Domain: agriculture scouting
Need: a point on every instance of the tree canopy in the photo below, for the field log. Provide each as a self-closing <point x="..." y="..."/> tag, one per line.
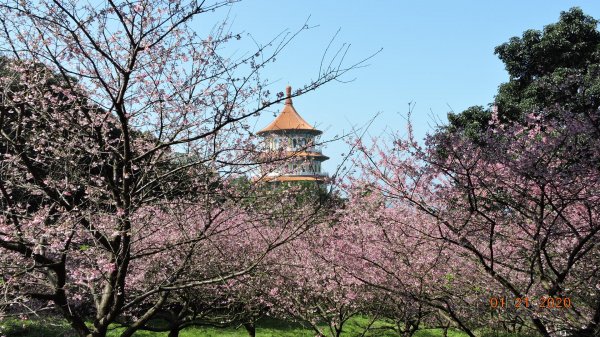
<point x="557" y="66"/>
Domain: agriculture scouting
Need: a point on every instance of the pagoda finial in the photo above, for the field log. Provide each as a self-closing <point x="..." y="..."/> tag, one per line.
<point x="288" y="91"/>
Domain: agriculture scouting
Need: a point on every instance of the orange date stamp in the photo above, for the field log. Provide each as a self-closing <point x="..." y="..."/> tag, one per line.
<point x="526" y="302"/>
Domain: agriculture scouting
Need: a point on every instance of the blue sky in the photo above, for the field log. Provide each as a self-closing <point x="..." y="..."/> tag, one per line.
<point x="437" y="54"/>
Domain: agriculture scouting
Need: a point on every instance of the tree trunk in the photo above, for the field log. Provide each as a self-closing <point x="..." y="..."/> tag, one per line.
<point x="250" y="327"/>
<point x="174" y="332"/>
<point x="541" y="327"/>
<point x="409" y="331"/>
<point x="446" y="327"/>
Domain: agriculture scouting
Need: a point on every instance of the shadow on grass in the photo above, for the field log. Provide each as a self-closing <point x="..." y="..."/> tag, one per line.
<point x="43" y="327"/>
<point x="266" y="327"/>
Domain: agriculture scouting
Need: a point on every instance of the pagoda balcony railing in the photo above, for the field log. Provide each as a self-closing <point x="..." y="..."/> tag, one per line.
<point x="315" y="149"/>
<point x="308" y="173"/>
<point x="297" y="173"/>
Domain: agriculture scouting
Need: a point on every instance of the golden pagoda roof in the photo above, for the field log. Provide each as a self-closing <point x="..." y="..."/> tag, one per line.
<point x="289" y="119"/>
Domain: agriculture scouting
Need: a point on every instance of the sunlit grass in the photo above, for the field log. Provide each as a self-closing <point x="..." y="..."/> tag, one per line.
<point x="49" y="327"/>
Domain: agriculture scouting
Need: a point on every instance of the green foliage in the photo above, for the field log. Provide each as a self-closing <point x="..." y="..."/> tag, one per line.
<point x="572" y="42"/>
<point x="304" y="192"/>
<point x="558" y="67"/>
<point x="470" y="121"/>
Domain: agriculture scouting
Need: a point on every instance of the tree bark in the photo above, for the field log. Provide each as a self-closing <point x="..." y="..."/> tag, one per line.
<point x="174" y="332"/>
<point x="250" y="327"/>
<point x="445" y="331"/>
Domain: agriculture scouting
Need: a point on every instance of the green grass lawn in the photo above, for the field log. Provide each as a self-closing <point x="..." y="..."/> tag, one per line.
<point x="266" y="328"/>
<point x="272" y="328"/>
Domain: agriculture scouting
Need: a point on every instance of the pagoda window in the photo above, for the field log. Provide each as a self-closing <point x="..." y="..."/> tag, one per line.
<point x="280" y="143"/>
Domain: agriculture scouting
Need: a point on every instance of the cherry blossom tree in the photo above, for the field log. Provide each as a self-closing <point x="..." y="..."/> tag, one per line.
<point x="244" y="299"/>
<point x="122" y="131"/>
<point x="305" y="286"/>
<point x="516" y="217"/>
<point x="392" y="249"/>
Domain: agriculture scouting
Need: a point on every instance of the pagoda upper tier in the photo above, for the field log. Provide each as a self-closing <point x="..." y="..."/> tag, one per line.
<point x="289" y="119"/>
<point x="291" y="135"/>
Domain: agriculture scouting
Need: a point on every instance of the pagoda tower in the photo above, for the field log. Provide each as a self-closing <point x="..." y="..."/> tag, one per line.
<point x="290" y="135"/>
